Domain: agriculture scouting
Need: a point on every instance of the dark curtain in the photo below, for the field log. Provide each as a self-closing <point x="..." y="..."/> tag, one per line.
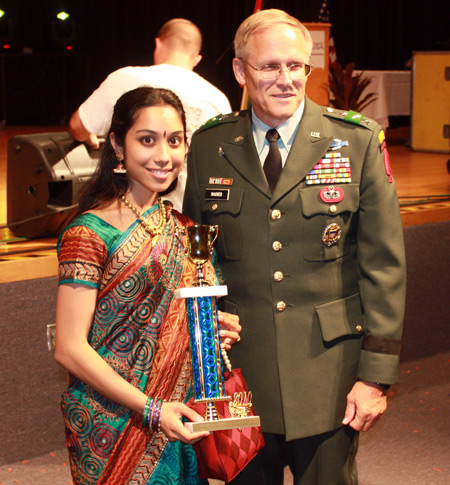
<point x="376" y="34"/>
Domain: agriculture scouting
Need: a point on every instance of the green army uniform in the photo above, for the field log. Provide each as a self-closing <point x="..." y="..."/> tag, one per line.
<point x="315" y="271"/>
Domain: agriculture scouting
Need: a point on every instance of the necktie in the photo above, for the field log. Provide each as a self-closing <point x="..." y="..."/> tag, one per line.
<point x="272" y="164"/>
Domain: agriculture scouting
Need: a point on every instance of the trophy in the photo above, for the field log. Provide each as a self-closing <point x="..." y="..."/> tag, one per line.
<point x="207" y="360"/>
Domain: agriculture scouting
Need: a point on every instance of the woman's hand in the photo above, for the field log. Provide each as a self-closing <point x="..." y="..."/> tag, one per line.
<point x="229" y="330"/>
<point x="173" y="427"/>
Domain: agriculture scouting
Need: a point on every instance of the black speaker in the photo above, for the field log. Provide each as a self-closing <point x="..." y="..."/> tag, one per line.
<point x="45" y="174"/>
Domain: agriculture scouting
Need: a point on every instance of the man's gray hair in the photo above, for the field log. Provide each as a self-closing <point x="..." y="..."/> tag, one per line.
<point x="262" y="20"/>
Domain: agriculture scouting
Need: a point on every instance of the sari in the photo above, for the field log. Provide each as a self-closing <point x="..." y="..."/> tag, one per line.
<point x="141" y="330"/>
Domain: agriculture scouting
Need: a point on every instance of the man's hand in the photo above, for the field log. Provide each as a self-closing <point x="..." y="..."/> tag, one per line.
<point x="229" y="330"/>
<point x="366" y="403"/>
<point x="80" y="133"/>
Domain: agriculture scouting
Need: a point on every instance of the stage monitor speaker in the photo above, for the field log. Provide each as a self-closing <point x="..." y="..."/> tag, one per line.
<point x="45" y="173"/>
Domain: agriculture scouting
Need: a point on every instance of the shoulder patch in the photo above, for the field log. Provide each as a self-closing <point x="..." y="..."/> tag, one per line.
<point x="350" y="116"/>
<point x="219" y="119"/>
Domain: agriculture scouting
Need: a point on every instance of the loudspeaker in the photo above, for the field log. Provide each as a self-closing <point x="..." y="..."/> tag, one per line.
<point x="45" y="173"/>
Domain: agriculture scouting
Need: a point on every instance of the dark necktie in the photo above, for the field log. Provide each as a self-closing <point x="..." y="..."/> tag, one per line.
<point x="272" y="164"/>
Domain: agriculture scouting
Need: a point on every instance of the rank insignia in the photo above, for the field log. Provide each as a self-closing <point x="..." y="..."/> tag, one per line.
<point x="354" y="117"/>
<point x="331" y="194"/>
<point x="220" y="181"/>
<point x="331" y="234"/>
<point x="330" y="171"/>
<point x="238" y="139"/>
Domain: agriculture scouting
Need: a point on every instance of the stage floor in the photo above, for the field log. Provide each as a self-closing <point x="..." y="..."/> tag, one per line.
<point x="423" y="187"/>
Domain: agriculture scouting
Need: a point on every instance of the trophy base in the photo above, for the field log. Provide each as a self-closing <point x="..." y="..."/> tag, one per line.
<point x="221" y="424"/>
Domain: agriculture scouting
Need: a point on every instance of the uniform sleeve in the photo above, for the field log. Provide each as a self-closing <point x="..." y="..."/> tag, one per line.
<point x="81" y="257"/>
<point x="381" y="260"/>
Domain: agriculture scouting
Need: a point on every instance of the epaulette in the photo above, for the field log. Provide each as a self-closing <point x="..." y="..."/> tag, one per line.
<point x="350" y="116"/>
<point x="219" y="119"/>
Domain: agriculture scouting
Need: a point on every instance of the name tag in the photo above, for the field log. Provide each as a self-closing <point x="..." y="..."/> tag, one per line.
<point x="217" y="194"/>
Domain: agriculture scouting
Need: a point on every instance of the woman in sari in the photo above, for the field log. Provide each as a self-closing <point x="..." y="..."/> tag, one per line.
<point x="120" y="332"/>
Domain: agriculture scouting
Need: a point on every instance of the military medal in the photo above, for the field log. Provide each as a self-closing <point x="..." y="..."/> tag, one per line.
<point x="330" y="171"/>
<point x="331" y="234"/>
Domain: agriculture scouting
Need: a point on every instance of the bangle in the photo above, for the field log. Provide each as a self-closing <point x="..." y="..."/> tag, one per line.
<point x="156" y="416"/>
<point x="146" y="413"/>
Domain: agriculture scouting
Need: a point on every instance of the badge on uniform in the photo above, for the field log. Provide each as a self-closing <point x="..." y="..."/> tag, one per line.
<point x="387" y="162"/>
<point x="331" y="234"/>
<point x="331" y="194"/>
<point x="220" y="181"/>
<point x="217" y="194"/>
<point x="337" y="144"/>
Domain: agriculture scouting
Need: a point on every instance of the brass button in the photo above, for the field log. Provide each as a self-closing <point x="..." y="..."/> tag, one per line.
<point x="281" y="306"/>
<point x="276" y="246"/>
<point x="333" y="209"/>
<point x="275" y="215"/>
<point x="278" y="276"/>
<point x="359" y="328"/>
<point x="214" y="207"/>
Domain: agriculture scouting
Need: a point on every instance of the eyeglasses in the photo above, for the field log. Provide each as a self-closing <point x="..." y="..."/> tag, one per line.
<point x="272" y="71"/>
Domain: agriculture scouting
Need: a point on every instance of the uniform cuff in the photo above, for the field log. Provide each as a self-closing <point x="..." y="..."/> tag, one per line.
<point x="375" y="367"/>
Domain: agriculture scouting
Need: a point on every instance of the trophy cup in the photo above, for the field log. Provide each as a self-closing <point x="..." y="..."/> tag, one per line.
<point x="207" y="364"/>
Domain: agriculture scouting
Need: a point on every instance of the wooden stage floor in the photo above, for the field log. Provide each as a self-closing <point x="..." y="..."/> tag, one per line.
<point x="423" y="187"/>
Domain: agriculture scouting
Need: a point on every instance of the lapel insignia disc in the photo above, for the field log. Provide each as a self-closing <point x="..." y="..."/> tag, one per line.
<point x="331" y="234"/>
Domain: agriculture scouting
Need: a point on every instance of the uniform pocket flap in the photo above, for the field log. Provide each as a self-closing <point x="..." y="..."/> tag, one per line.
<point x="316" y="200"/>
<point x="223" y="200"/>
<point x="340" y="318"/>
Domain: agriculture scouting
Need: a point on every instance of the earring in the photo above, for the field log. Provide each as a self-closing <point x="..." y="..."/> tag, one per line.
<point x="119" y="168"/>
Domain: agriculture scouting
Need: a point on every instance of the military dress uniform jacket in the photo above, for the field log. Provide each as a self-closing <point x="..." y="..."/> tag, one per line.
<point x="315" y="271"/>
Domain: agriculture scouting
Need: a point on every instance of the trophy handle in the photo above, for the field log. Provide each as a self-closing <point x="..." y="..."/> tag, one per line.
<point x="215" y="231"/>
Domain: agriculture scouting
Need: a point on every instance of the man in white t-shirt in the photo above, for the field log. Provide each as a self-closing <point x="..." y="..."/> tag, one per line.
<point x="177" y="52"/>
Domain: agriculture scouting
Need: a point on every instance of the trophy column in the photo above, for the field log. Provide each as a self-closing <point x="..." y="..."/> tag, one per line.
<point x="207" y="365"/>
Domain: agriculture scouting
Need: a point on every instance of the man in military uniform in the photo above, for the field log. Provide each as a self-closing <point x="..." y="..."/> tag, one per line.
<point x="311" y="248"/>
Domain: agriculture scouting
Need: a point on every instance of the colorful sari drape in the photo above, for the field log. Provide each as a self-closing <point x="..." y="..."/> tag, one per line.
<point x="142" y="332"/>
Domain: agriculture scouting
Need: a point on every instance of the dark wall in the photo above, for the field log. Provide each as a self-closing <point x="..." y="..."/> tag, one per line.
<point x="109" y="34"/>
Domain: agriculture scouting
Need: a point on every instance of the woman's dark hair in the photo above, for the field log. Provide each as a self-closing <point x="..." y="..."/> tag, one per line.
<point x="105" y="185"/>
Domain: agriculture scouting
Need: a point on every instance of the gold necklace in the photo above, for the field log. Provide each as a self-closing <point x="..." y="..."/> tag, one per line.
<point x="153" y="231"/>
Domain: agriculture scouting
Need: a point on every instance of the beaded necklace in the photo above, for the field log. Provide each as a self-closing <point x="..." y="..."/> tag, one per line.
<point x="153" y="231"/>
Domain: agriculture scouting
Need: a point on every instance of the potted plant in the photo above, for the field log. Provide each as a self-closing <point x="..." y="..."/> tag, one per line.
<point x="347" y="87"/>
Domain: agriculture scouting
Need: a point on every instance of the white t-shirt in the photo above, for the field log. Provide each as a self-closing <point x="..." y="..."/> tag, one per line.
<point x="201" y="101"/>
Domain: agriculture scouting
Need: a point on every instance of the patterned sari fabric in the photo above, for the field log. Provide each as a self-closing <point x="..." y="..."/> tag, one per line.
<point x="141" y="331"/>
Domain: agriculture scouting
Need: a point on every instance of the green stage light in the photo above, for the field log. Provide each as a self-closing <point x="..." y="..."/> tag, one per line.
<point x="62" y="16"/>
<point x="1" y="13"/>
